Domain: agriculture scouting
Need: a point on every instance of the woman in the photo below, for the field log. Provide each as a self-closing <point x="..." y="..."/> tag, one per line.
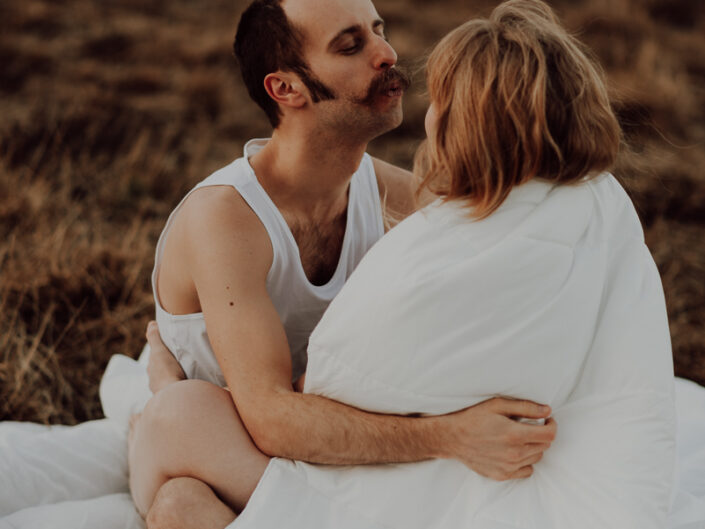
<point x="527" y="278"/>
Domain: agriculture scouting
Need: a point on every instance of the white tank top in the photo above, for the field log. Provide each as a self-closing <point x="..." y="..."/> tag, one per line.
<point x="299" y="303"/>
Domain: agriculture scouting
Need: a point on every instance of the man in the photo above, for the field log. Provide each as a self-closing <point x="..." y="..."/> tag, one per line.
<point x="325" y="75"/>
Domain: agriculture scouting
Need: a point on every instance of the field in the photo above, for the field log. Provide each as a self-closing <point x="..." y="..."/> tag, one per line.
<point x="112" y="110"/>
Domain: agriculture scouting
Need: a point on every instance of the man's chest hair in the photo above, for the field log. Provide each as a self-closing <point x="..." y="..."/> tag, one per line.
<point x="320" y="245"/>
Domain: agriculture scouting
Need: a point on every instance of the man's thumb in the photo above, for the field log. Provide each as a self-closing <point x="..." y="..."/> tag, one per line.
<point x="525" y="408"/>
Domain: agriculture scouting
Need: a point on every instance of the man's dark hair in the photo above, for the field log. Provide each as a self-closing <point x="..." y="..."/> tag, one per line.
<point x="266" y="42"/>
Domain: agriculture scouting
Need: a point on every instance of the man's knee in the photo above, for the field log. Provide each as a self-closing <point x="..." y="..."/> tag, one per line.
<point x="173" y="504"/>
<point x="187" y="503"/>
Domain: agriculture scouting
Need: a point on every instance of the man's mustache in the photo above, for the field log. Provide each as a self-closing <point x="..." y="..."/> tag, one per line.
<point x="384" y="82"/>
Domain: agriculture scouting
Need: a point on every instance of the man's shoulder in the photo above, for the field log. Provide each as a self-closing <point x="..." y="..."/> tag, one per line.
<point x="217" y="219"/>
<point x="396" y="190"/>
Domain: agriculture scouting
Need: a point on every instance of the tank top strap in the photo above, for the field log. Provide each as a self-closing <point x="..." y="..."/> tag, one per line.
<point x="367" y="202"/>
<point x="240" y="176"/>
<point x="366" y="226"/>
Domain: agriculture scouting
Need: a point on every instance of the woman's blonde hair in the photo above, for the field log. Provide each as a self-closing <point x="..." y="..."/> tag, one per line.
<point x="516" y="97"/>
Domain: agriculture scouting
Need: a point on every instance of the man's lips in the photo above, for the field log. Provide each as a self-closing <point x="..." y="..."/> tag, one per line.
<point x="391" y="83"/>
<point x="395" y="90"/>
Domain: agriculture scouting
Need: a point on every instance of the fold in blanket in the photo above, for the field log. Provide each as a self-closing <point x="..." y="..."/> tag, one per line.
<point x="613" y="409"/>
<point x="553" y="298"/>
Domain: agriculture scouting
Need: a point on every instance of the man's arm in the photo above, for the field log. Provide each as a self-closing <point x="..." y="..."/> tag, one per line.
<point x="397" y="192"/>
<point x="229" y="268"/>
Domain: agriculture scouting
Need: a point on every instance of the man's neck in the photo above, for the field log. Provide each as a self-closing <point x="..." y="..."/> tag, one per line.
<point x="307" y="172"/>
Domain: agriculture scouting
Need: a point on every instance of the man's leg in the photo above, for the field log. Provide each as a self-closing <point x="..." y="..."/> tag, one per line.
<point x="186" y="503"/>
<point x="192" y="429"/>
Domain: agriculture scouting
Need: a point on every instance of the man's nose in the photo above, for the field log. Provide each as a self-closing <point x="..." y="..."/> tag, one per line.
<point x="385" y="57"/>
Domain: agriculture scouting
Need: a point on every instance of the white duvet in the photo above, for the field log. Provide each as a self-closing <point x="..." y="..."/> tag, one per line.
<point x="560" y="303"/>
<point x="553" y="298"/>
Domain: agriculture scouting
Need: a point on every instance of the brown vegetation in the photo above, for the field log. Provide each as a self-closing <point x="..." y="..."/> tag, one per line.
<point x="113" y="109"/>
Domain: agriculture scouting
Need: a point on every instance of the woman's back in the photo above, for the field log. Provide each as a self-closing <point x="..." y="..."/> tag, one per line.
<point x="553" y="298"/>
<point x="545" y="283"/>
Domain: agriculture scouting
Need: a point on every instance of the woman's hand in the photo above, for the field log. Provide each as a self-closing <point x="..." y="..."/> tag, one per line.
<point x="163" y="368"/>
<point x="489" y="440"/>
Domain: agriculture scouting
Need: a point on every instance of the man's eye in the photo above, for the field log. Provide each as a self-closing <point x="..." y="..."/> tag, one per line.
<point x="351" y="49"/>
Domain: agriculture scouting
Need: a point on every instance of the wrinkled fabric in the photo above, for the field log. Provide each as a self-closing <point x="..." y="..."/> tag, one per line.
<point x="273" y="497"/>
<point x="111" y="511"/>
<point x="553" y="298"/>
<point x="75" y="477"/>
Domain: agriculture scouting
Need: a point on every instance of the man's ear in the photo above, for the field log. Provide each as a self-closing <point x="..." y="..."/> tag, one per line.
<point x="285" y="89"/>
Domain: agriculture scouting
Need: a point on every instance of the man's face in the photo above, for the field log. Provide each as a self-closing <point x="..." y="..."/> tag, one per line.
<point x="346" y="49"/>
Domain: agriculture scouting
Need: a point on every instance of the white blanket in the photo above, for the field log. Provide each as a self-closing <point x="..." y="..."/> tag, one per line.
<point x="65" y="477"/>
<point x="75" y="477"/>
<point x="553" y="298"/>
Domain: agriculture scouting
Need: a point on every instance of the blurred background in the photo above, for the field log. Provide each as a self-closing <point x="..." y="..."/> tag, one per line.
<point x="113" y="109"/>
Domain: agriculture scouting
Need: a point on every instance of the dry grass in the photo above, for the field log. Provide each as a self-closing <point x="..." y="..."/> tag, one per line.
<point x="112" y="110"/>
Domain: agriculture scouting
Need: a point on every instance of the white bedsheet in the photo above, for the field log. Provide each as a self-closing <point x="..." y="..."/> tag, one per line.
<point x="51" y="482"/>
<point x="74" y="477"/>
<point x="111" y="511"/>
<point x="65" y="477"/>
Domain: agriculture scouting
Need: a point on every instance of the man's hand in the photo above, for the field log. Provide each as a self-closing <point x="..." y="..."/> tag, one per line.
<point x="163" y="368"/>
<point x="488" y="439"/>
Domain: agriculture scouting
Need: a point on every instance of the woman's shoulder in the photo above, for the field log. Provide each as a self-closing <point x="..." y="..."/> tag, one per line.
<point x="568" y="212"/>
<point x="615" y="207"/>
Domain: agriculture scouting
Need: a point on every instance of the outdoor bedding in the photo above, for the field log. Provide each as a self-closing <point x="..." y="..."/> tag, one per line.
<point x="553" y="298"/>
<point x="611" y="464"/>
